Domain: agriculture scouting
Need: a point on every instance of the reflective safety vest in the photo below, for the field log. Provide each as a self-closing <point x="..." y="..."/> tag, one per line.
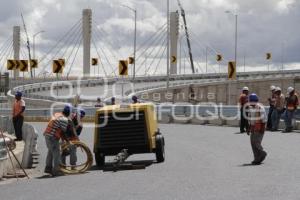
<point x="57" y="126"/>
<point x="18" y="107"/>
<point x="292" y="102"/>
<point x="243" y="99"/>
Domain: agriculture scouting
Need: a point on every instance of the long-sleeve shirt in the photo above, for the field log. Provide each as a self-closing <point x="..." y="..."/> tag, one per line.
<point x="279" y="102"/>
<point x="257" y="114"/>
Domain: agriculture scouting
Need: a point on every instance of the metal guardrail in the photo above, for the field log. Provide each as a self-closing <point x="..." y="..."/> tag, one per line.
<point x="180" y="110"/>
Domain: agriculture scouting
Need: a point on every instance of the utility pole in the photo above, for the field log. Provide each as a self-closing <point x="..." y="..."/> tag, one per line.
<point x="28" y="45"/>
<point x="206" y="60"/>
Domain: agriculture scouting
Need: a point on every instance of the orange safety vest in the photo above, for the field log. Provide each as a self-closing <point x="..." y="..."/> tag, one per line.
<point x="17" y="107"/>
<point x="243" y="99"/>
<point x="292" y="103"/>
<point x="51" y="129"/>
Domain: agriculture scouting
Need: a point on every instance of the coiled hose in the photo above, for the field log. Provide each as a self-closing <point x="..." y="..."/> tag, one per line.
<point x="76" y="169"/>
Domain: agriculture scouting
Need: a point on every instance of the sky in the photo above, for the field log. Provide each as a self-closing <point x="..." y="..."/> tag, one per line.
<point x="263" y="26"/>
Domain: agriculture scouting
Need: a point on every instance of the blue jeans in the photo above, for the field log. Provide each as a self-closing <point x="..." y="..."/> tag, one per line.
<point x="53" y="156"/>
<point x="288" y="117"/>
<point x="275" y="116"/>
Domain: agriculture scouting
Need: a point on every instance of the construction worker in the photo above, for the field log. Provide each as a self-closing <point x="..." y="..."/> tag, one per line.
<point x="278" y="108"/>
<point x="243" y="100"/>
<point x="55" y="131"/>
<point x="257" y="121"/>
<point x="18" y="115"/>
<point x="271" y="100"/>
<point x="77" y="100"/>
<point x="99" y="104"/>
<point x="292" y="103"/>
<point x="73" y="131"/>
<point x="113" y="101"/>
<point x="134" y="99"/>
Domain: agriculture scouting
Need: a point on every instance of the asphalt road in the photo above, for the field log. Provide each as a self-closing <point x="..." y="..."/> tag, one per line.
<point x="202" y="162"/>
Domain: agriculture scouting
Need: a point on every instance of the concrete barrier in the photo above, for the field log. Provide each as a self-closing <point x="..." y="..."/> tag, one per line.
<point x="26" y="150"/>
<point x="5" y="164"/>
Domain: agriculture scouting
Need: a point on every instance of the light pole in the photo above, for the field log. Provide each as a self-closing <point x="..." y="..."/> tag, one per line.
<point x="236" y="34"/>
<point x="134" y="42"/>
<point x="33" y="44"/>
<point x="235" y="51"/>
<point x="168" y="43"/>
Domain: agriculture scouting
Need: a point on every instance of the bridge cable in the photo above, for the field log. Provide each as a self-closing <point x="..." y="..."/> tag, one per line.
<point x="107" y="60"/>
<point x="74" y="57"/>
<point x="59" y="42"/>
<point x="157" y="54"/>
<point x="161" y="58"/>
<point x="67" y="45"/>
<point x="9" y="51"/>
<point x="158" y="36"/>
<point x="103" y="67"/>
<point x="99" y="34"/>
<point x="97" y="37"/>
<point x="75" y="44"/>
<point x="154" y="45"/>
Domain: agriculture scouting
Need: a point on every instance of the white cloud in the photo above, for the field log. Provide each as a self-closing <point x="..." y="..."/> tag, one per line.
<point x="263" y="25"/>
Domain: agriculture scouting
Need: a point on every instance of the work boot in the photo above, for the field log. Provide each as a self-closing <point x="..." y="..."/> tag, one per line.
<point x="287" y="130"/>
<point x="263" y="156"/>
<point x="58" y="173"/>
<point x="48" y="170"/>
<point x="254" y="162"/>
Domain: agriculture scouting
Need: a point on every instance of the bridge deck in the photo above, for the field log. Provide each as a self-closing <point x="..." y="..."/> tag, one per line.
<point x="202" y="162"/>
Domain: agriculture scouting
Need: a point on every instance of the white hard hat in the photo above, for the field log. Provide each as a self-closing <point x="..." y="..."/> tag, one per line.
<point x="273" y="87"/>
<point x="245" y="89"/>
<point x="290" y="89"/>
<point x="277" y="89"/>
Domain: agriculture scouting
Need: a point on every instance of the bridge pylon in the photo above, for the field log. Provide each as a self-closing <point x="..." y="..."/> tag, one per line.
<point x="86" y="35"/>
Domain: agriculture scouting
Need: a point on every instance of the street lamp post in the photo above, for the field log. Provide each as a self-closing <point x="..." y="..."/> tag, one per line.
<point x="235" y="51"/>
<point x="134" y="42"/>
<point x="33" y="44"/>
<point x="236" y="34"/>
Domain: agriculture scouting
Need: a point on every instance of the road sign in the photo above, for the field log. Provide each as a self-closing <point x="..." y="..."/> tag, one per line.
<point x="268" y="56"/>
<point x="219" y="57"/>
<point x="23" y="65"/>
<point x="174" y="59"/>
<point x="62" y="61"/>
<point x="58" y="66"/>
<point x="94" y="61"/>
<point x="123" y="67"/>
<point x="33" y="63"/>
<point x="12" y="64"/>
<point x="232" y="70"/>
<point x="131" y="60"/>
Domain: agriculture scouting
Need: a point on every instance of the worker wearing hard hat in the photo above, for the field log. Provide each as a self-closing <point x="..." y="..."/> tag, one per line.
<point x="292" y="103"/>
<point x="55" y="131"/>
<point x="243" y="100"/>
<point x="278" y="108"/>
<point x="271" y="100"/>
<point x="73" y="131"/>
<point x="257" y="121"/>
<point x="18" y="115"/>
<point x="134" y="99"/>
